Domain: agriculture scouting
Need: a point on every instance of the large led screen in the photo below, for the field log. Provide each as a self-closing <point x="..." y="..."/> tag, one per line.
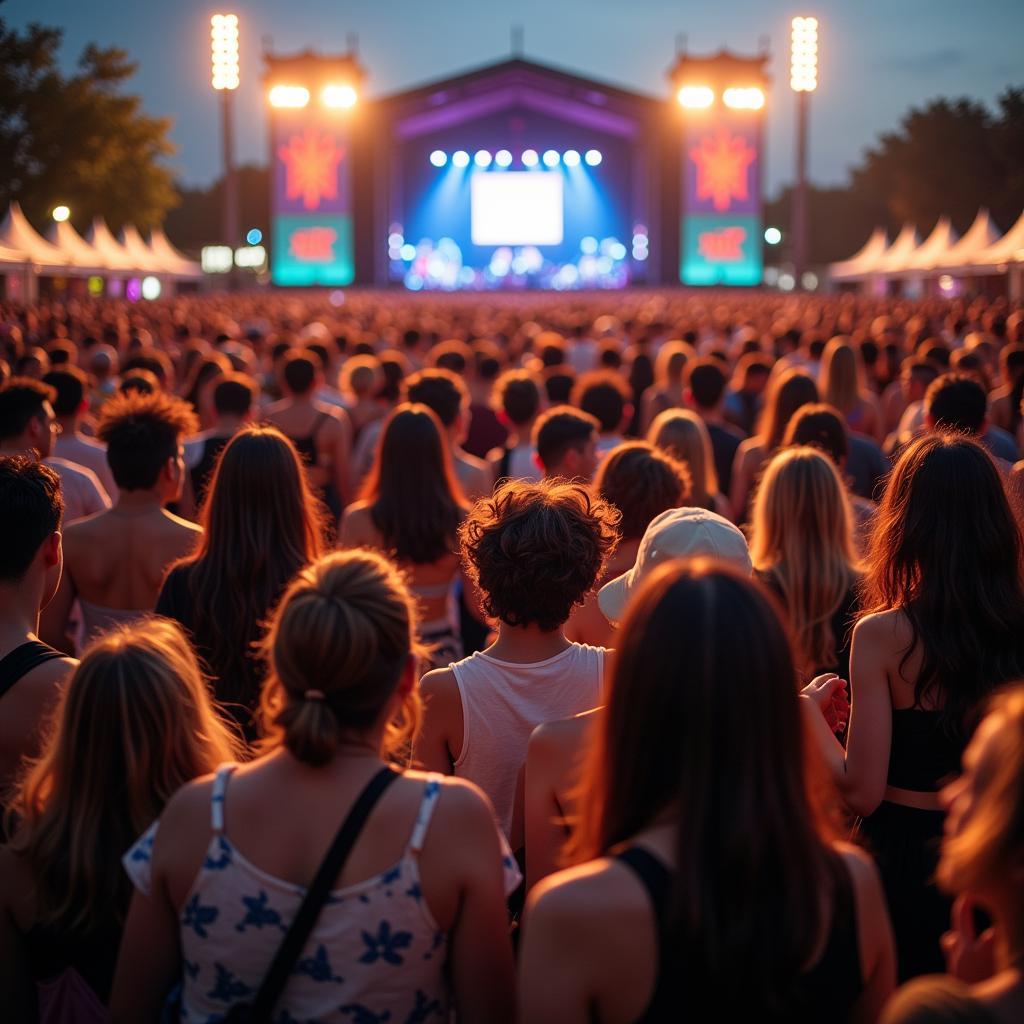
<point x="516" y="208"/>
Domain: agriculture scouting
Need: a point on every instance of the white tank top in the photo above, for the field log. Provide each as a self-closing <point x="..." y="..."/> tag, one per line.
<point x="503" y="702"/>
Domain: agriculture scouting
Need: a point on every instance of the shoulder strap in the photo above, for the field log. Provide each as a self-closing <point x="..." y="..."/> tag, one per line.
<point x="653" y="876"/>
<point x="284" y="961"/>
<point x="218" y="795"/>
<point x="22" y="660"/>
<point x="431" y="792"/>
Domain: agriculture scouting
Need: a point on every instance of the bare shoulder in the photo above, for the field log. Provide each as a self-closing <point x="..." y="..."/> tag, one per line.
<point x="188" y="806"/>
<point x="43" y="681"/>
<point x="577" y="899"/>
<point x="885" y="628"/>
<point x="440" y="684"/>
<point x="558" y="739"/>
<point x="181" y="531"/>
<point x="275" y="408"/>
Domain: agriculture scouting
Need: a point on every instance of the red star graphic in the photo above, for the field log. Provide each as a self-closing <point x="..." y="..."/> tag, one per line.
<point x="311" y="168"/>
<point x="722" y="161"/>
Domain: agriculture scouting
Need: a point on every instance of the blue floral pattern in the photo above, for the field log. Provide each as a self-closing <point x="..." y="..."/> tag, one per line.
<point x="385" y="945"/>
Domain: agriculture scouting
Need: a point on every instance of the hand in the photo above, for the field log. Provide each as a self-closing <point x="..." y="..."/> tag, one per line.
<point x="829" y="693"/>
<point x="969" y="956"/>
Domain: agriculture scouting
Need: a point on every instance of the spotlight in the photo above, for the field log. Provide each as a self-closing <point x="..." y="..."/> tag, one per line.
<point x="254" y="236"/>
<point x="803" y="67"/>
<point x="743" y="99"/>
<point x="593" y="157"/>
<point x="439" y="158"/>
<point x="482" y="158"/>
<point x="551" y="158"/>
<point x="695" y="97"/>
<point x="503" y="158"/>
<point x="61" y="213"/>
<point x="529" y="158"/>
<point x="772" y="236"/>
<point x="571" y="158"/>
<point x="338" y="97"/>
<point x="460" y="158"/>
<point x="293" y="96"/>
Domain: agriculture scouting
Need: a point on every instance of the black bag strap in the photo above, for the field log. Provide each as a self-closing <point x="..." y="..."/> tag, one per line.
<point x="284" y="960"/>
<point x="22" y="660"/>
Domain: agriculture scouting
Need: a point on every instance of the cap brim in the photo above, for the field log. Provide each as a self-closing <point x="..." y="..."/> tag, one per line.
<point x="613" y="596"/>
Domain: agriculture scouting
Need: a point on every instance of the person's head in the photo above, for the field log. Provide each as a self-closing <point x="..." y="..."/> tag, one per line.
<point x="682" y="692"/>
<point x="819" y="426"/>
<point x="140" y="381"/>
<point x="705" y="383"/>
<point x="641" y="482"/>
<point x="415" y="499"/>
<point x="233" y="397"/>
<point x="70" y="385"/>
<point x="445" y="394"/>
<point x="536" y="550"/>
<point x="604" y="395"/>
<point x="517" y="398"/>
<point x="946" y="551"/>
<point x="341" y="657"/>
<point x="752" y="373"/>
<point x="671" y="363"/>
<point x="135" y="722"/>
<point x="802" y="537"/>
<point x="681" y="434"/>
<point x="453" y="355"/>
<point x="916" y="374"/>
<point x="143" y="435"/>
<point x="361" y="378"/>
<point x="983" y="845"/>
<point x="566" y="443"/>
<point x="787" y="392"/>
<point x="300" y="372"/>
<point x="27" y="419"/>
<point x="33" y="506"/>
<point x="841" y="384"/>
<point x="956" y="402"/>
<point x="1011" y="363"/>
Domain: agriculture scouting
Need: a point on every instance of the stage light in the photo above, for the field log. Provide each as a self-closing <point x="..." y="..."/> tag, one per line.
<point x="338" y="97"/>
<point x="503" y="158"/>
<point x="61" y="213"/>
<point x="150" y="288"/>
<point x="251" y="256"/>
<point x="695" y="97"/>
<point x="772" y="236"/>
<point x="460" y="158"/>
<point x="803" y="68"/>
<point x="551" y="158"/>
<point x="395" y="240"/>
<point x="571" y="158"/>
<point x="482" y="158"/>
<point x="588" y="245"/>
<point x="530" y="158"/>
<point x="617" y="251"/>
<point x="254" y="236"/>
<point x="787" y="282"/>
<point x="408" y="252"/>
<point x="289" y="96"/>
<point x="593" y="157"/>
<point x="809" y="281"/>
<point x="224" y="51"/>
<point x="439" y="158"/>
<point x="743" y="99"/>
<point x="216" y="259"/>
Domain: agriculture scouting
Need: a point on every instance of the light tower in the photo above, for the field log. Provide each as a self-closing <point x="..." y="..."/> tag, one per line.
<point x="803" y="80"/>
<point x="225" y="79"/>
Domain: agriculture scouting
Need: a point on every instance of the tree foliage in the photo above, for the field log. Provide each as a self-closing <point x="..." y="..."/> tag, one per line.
<point x="78" y="139"/>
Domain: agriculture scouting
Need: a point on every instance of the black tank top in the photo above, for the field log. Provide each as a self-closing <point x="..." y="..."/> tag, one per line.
<point x="922" y="753"/>
<point x="212" y="447"/>
<point x="22" y="660"/>
<point x="828" y="991"/>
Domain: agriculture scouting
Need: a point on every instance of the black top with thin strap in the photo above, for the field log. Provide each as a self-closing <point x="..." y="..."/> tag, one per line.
<point x="828" y="991"/>
<point x="922" y="752"/>
<point x="22" y="660"/>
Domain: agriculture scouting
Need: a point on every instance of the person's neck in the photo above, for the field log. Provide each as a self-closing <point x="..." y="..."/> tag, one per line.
<point x="19" y="446"/>
<point x="226" y="425"/>
<point x="68" y="425"/>
<point x="19" y="612"/>
<point x="713" y="415"/>
<point x="527" y="643"/>
<point x="134" y="503"/>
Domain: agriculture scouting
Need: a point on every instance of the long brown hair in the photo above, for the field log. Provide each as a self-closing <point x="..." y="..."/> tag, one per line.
<point x="709" y="731"/>
<point x="787" y="392"/>
<point x="946" y="550"/>
<point x="415" y="500"/>
<point x="261" y="524"/>
<point x="134" y="724"/>
<point x="682" y="434"/>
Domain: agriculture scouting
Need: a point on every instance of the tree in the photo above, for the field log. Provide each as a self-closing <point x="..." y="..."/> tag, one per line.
<point x="78" y="139"/>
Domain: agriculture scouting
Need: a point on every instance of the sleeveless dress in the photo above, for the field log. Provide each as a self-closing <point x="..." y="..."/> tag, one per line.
<point x="306" y="447"/>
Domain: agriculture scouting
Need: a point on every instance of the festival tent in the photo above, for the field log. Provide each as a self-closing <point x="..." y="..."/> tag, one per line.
<point x="78" y="252"/>
<point x="896" y="257"/>
<point x="963" y="256"/>
<point x="16" y="233"/>
<point x="144" y="259"/>
<point x="863" y="260"/>
<point x="934" y="249"/>
<point x="114" y="255"/>
<point x="174" y="262"/>
<point x="1009" y="248"/>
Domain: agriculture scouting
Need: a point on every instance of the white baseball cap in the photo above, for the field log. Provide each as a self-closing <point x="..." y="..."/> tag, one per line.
<point x="677" y="533"/>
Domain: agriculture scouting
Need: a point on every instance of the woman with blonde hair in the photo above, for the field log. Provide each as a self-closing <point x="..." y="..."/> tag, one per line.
<point x="682" y="435"/>
<point x="134" y="724"/>
<point x="667" y="391"/>
<point x="802" y="549"/>
<point x="420" y="891"/>
<point x="842" y="387"/>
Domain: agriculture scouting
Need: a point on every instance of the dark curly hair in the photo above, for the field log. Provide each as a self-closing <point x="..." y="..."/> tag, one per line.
<point x="641" y="482"/>
<point x="536" y="550"/>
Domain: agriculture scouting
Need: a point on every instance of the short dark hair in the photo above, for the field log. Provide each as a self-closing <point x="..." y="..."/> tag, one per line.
<point x="518" y="396"/>
<point x="706" y="380"/>
<point x="560" y="429"/>
<point x="641" y="482"/>
<point x="299" y="371"/>
<point x="141" y="433"/>
<point x="451" y="355"/>
<point x="151" y="359"/>
<point x="21" y="400"/>
<point x="956" y="402"/>
<point x="440" y="391"/>
<point x="234" y="394"/>
<point x="558" y="385"/>
<point x="822" y="427"/>
<point x="70" y="385"/>
<point x="32" y="507"/>
<point x="536" y="550"/>
<point x="603" y="394"/>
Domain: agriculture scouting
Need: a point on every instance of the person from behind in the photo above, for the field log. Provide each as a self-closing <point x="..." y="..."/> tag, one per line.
<point x="682" y="435"/>
<point x="676" y="841"/>
<point x="415" y="926"/>
<point x="604" y="395"/>
<point x="115" y="561"/>
<point x="843" y="387"/>
<point x="518" y="399"/>
<point x="669" y="388"/>
<point x="958" y="402"/>
<point x="134" y="724"/>
<point x="534" y="552"/>
<point x="566" y="443"/>
<point x="706" y="383"/>
<point x="745" y="396"/>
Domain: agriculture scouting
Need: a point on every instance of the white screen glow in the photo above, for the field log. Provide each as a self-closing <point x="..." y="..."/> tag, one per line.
<point x="516" y="208"/>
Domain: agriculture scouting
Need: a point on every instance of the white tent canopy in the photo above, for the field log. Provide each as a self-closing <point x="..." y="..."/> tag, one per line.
<point x="16" y="233"/>
<point x="866" y="258"/>
<point x="933" y="250"/>
<point x="1009" y="248"/>
<point x="896" y="257"/>
<point x="114" y="255"/>
<point x="75" y="248"/>
<point x="173" y="260"/>
<point x="981" y="235"/>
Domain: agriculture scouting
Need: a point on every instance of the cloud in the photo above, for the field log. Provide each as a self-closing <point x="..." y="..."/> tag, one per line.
<point x="922" y="63"/>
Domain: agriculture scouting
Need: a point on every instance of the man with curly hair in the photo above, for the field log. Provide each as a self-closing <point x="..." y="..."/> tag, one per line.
<point x="535" y="552"/>
<point x="114" y="562"/>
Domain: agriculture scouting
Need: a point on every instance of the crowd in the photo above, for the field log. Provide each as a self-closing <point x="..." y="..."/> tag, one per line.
<point x="628" y="657"/>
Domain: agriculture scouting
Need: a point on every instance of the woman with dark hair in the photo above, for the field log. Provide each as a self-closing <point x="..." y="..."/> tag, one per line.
<point x="711" y="880"/>
<point x="942" y="626"/>
<point x="261" y="524"/>
<point x="787" y="392"/>
<point x="411" y="508"/>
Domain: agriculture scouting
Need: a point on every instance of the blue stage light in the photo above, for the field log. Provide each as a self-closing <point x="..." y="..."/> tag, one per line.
<point x="482" y="158"/>
<point x="571" y="158"/>
<point x="408" y="252"/>
<point x="439" y="158"/>
<point x="551" y="158"/>
<point x="460" y="158"/>
<point x="503" y="158"/>
<point x="593" y="157"/>
<point x="254" y="236"/>
<point x="530" y="158"/>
